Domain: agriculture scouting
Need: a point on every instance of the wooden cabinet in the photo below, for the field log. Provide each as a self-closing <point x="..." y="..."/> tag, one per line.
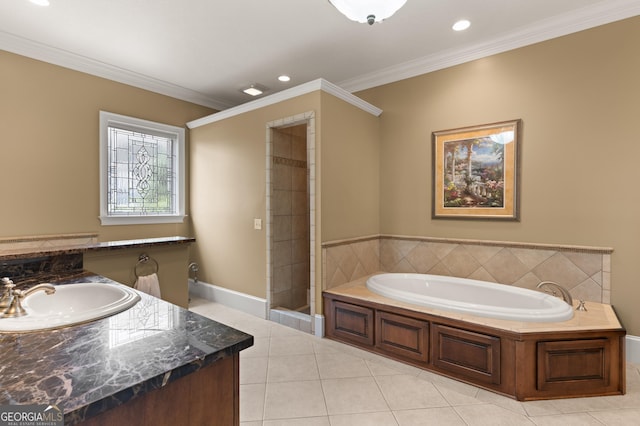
<point x="580" y="366"/>
<point x="525" y="366"/>
<point x="466" y="354"/>
<point x="402" y="336"/>
<point x="209" y="396"/>
<point x="351" y="323"/>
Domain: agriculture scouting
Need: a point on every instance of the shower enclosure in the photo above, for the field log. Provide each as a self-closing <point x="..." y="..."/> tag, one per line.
<point x="290" y="232"/>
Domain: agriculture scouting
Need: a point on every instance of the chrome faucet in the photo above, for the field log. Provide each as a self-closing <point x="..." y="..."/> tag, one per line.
<point x="566" y="296"/>
<point x="7" y="295"/>
<point x="193" y="267"/>
<point x="15" y="308"/>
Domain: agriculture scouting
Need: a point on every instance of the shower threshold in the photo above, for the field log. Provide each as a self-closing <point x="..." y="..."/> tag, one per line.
<point x="299" y="319"/>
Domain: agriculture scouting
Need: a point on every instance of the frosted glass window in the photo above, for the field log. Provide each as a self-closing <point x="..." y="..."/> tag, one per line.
<point x="142" y="171"/>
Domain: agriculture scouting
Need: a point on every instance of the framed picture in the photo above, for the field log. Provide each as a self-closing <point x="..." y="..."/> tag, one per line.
<point x="475" y="172"/>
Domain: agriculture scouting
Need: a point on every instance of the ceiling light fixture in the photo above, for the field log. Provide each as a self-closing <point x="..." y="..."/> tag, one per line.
<point x="368" y="11"/>
<point x="255" y="89"/>
<point x="40" y="2"/>
<point x="284" y="78"/>
<point x="461" y="25"/>
<point x="252" y="91"/>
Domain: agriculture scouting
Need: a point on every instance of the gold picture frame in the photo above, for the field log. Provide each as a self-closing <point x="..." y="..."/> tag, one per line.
<point x="476" y="172"/>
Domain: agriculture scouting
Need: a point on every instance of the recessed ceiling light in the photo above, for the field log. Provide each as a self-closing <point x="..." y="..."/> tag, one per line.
<point x="40" y="2"/>
<point x="461" y="25"/>
<point x="284" y="78"/>
<point x="253" y="91"/>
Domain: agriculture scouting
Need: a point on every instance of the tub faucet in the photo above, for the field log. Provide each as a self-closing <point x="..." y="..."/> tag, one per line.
<point x="15" y="308"/>
<point x="566" y="296"/>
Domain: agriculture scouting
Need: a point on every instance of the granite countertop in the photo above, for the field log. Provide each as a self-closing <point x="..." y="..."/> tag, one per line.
<point x="90" y="368"/>
<point x="71" y="248"/>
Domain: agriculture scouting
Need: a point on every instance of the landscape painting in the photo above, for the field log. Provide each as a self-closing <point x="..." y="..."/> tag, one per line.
<point x="475" y="172"/>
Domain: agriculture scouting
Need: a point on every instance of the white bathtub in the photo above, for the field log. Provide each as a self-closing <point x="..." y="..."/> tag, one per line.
<point x="471" y="297"/>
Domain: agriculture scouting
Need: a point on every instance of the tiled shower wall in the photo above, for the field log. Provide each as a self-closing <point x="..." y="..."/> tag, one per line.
<point x="585" y="271"/>
<point x="290" y="214"/>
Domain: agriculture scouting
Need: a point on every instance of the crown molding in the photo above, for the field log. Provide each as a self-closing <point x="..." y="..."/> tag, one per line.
<point x="302" y="89"/>
<point x="601" y="13"/>
<point x="31" y="49"/>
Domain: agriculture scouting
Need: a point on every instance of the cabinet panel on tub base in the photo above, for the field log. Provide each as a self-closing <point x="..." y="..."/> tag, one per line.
<point x="522" y="365"/>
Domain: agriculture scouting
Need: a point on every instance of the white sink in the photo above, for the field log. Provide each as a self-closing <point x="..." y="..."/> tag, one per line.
<point x="70" y="304"/>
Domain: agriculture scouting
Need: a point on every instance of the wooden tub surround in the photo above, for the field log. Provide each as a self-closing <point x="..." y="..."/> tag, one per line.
<point x="581" y="357"/>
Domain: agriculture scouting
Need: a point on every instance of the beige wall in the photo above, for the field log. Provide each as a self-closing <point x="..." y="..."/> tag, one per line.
<point x="49" y="178"/>
<point x="349" y="171"/>
<point x="228" y="185"/>
<point x="578" y="99"/>
<point x="49" y="174"/>
<point x="119" y="265"/>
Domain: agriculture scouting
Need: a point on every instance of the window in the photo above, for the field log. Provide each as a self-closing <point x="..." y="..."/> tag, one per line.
<point x="141" y="171"/>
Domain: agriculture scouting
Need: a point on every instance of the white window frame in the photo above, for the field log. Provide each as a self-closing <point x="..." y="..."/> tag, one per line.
<point x="108" y="119"/>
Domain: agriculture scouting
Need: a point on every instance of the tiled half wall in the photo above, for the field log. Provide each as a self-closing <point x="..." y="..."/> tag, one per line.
<point x="585" y="271"/>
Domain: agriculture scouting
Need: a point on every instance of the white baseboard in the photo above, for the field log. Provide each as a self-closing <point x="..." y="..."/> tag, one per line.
<point x="234" y="299"/>
<point x="318" y="325"/>
<point x="633" y="349"/>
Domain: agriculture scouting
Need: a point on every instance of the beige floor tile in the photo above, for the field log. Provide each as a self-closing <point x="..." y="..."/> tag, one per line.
<point x="630" y="417"/>
<point x="252" y="402"/>
<point x="254" y="370"/>
<point x="630" y="400"/>
<point x="279" y="330"/>
<point x="290" y="345"/>
<point x="271" y="392"/>
<point x="429" y="416"/>
<point x="501" y="401"/>
<point x="260" y="348"/>
<point x="384" y="418"/>
<point x="381" y="366"/>
<point x="454" y="397"/>
<point x="582" y="405"/>
<point x="540" y="408"/>
<point x="353" y="395"/>
<point x="289" y="400"/>
<point x="490" y="415"/>
<point x="253" y="327"/>
<point x="445" y="383"/>
<point x="576" y="419"/>
<point x="339" y="365"/>
<point x="404" y="392"/>
<point x="292" y="368"/>
<point x="322" y="346"/>
<point x="303" y="421"/>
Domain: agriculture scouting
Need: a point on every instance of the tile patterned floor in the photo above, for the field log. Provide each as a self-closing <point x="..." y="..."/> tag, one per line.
<point x="290" y="378"/>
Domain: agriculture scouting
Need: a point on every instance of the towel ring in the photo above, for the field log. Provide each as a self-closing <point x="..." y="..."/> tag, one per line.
<point x="144" y="259"/>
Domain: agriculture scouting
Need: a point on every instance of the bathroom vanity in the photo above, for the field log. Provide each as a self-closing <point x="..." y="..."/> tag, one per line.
<point x="583" y="356"/>
<point x="153" y="364"/>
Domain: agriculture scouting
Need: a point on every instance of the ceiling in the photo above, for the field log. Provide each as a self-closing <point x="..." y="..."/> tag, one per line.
<point x="206" y="51"/>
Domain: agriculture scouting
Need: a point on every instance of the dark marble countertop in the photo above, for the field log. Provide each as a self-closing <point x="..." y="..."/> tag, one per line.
<point x="29" y="252"/>
<point x="90" y="368"/>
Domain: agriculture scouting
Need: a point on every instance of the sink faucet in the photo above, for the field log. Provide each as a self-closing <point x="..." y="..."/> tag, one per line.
<point x="566" y="296"/>
<point x="7" y="295"/>
<point x="15" y="308"/>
